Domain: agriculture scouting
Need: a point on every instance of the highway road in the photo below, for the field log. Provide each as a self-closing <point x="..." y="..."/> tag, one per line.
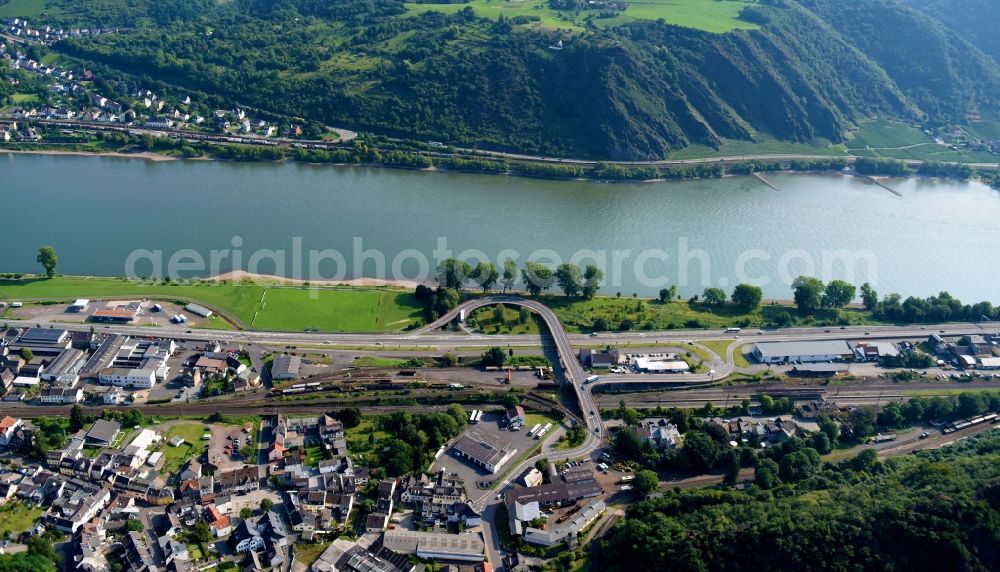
<point x="427" y="337"/>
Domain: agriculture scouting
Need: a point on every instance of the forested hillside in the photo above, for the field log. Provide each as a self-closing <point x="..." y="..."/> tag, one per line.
<point x="937" y="510"/>
<point x="976" y="20"/>
<point x="621" y="86"/>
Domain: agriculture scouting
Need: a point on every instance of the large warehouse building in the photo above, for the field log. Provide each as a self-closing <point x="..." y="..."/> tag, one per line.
<point x="804" y="352"/>
<point x="483" y="450"/>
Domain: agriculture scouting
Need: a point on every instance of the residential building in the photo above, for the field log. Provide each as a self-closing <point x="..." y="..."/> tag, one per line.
<point x="60" y="395"/>
<point x="566" y="532"/>
<point x="524" y="505"/>
<point x="242" y="480"/>
<point x="516" y="415"/>
<point x="8" y="425"/>
<point x="659" y="432"/>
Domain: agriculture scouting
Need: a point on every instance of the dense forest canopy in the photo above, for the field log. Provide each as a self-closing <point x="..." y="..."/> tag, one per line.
<point x="975" y="20"/>
<point x="618" y="87"/>
<point x="937" y="510"/>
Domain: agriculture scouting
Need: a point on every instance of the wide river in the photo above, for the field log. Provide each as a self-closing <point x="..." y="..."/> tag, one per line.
<point x="117" y="216"/>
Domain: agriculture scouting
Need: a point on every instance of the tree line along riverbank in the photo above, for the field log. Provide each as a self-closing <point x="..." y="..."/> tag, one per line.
<point x="272" y="305"/>
<point x="380" y="152"/>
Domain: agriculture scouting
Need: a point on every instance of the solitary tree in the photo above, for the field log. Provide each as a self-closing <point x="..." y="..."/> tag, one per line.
<point x="26" y="354"/>
<point x="569" y="278"/>
<point x="48" y="259"/>
<point x="350" y="417"/>
<point x="766" y="474"/>
<point x="646" y="482"/>
<point x="668" y="294"/>
<point x="808" y="293"/>
<point x="838" y="294"/>
<point x="869" y="297"/>
<point x="522" y="315"/>
<point x="714" y="296"/>
<point x="486" y="276"/>
<point x="266" y="504"/>
<point x="748" y="297"/>
<point x="592" y="277"/>
<point x="76" y="418"/>
<point x="536" y="277"/>
<point x="509" y="277"/>
<point x="452" y="273"/>
<point x="494" y="357"/>
<point x="510" y="401"/>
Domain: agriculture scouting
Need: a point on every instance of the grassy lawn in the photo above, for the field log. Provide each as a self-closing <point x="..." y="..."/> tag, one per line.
<point x="272" y="308"/>
<point x="709" y="15"/>
<point x="358" y="437"/>
<point x="23" y="98"/>
<point x="883" y="134"/>
<point x="122" y="438"/>
<point x="13" y="8"/>
<point x="485" y="321"/>
<point x="762" y="146"/>
<point x="898" y="140"/>
<point x="985" y="129"/>
<point x="308" y="552"/>
<point x="314" y="454"/>
<point x="722" y="346"/>
<point x="174" y="457"/>
<point x="542" y="418"/>
<point x="345" y="310"/>
<point x="579" y="315"/>
<point x="373" y="361"/>
<point x="18" y="517"/>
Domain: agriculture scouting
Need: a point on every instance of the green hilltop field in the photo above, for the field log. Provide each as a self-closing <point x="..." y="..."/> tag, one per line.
<point x="709" y="15"/>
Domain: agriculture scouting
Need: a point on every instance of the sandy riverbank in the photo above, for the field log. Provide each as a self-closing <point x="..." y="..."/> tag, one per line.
<point x="146" y="155"/>
<point x="243" y="276"/>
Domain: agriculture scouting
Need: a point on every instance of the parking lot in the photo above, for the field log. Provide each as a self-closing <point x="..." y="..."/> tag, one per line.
<point x="472" y="474"/>
<point x="145" y="316"/>
<point x="224" y="446"/>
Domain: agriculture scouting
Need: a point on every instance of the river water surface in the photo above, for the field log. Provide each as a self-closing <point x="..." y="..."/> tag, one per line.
<point x="97" y="211"/>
